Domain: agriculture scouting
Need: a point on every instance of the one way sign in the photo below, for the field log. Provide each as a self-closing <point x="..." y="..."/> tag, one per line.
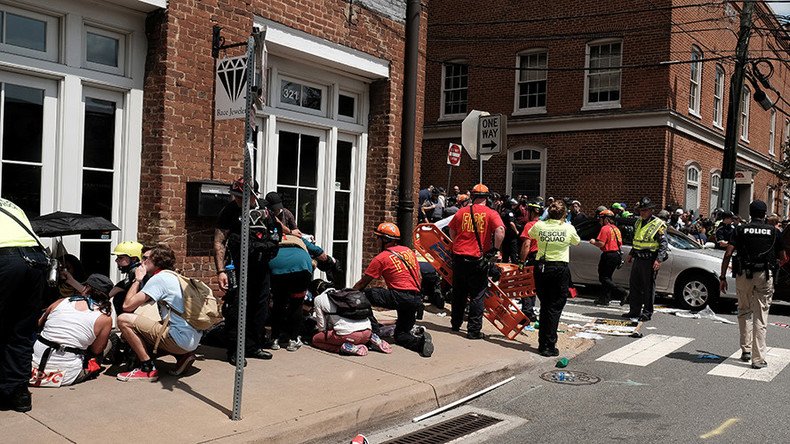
<point x="490" y="134"/>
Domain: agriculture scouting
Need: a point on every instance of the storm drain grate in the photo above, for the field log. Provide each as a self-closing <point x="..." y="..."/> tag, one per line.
<point x="570" y="378"/>
<point x="447" y="431"/>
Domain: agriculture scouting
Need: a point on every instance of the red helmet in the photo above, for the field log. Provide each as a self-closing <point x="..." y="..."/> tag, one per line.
<point x="387" y="230"/>
<point x="606" y="213"/>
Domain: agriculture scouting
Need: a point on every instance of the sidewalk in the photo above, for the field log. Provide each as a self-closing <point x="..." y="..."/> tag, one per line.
<point x="295" y="397"/>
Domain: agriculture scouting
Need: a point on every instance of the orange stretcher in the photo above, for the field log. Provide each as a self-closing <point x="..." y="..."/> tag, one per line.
<point x="516" y="282"/>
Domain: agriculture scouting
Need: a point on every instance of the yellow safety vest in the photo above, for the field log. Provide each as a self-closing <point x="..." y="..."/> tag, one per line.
<point x="645" y="235"/>
<point x="11" y="234"/>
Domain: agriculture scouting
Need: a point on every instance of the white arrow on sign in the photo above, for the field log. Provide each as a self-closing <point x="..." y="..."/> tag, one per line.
<point x="490" y="132"/>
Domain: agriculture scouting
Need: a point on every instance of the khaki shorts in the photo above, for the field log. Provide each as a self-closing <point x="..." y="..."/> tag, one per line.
<point x="151" y="331"/>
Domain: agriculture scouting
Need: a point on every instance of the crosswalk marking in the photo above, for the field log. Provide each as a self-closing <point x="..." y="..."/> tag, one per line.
<point x="733" y="367"/>
<point x="646" y="350"/>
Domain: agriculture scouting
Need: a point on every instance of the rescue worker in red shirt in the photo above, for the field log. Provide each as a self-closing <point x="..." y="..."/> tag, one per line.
<point x="472" y="230"/>
<point x="398" y="266"/>
<point x="529" y="250"/>
<point x="609" y="241"/>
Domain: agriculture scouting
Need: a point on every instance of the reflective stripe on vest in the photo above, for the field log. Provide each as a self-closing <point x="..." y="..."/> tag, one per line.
<point x="645" y="235"/>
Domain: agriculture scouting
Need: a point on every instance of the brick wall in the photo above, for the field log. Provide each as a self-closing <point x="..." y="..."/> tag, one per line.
<point x="179" y="144"/>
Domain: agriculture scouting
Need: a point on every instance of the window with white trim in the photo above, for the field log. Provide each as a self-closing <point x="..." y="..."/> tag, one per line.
<point x="527" y="172"/>
<point x="692" y="188"/>
<point x="745" y="113"/>
<point x="29" y="33"/>
<point x="695" y="80"/>
<point x="302" y="96"/>
<point x="455" y="86"/>
<point x="602" y="82"/>
<point x="771" y="201"/>
<point x="531" y="87"/>
<point x="104" y="50"/>
<point x="718" y="96"/>
<point x="715" y="184"/>
<point x="772" y="134"/>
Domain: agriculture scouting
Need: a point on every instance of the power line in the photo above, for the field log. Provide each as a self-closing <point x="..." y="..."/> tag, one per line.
<point x="587" y="68"/>
<point x="597" y="34"/>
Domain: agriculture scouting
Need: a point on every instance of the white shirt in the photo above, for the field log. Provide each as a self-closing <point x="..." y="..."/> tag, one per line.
<point x="342" y="326"/>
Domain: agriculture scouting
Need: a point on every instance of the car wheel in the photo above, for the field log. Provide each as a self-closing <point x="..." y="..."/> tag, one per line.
<point x="695" y="291"/>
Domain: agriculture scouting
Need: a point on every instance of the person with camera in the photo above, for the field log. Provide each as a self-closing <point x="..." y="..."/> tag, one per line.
<point x="75" y="331"/>
<point x="265" y="234"/>
<point x="477" y="232"/>
<point x="609" y="240"/>
<point x="23" y="273"/>
<point x="397" y="266"/>
<point x="648" y="252"/>
<point x="552" y="273"/>
<point x="759" y="251"/>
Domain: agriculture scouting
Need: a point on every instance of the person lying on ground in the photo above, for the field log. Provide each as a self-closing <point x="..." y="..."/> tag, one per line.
<point x="338" y="334"/>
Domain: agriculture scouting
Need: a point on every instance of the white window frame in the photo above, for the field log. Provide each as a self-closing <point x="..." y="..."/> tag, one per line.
<point x="336" y="109"/>
<point x="517" y="92"/>
<point x="692" y="183"/>
<point x="746" y="99"/>
<point x="771" y="201"/>
<point x="298" y="108"/>
<point x="718" y="97"/>
<point x="612" y="104"/>
<point x="52" y="37"/>
<point x="453" y="116"/>
<point x="715" y="187"/>
<point x="695" y="82"/>
<point x="541" y="162"/>
<point x="785" y="138"/>
<point x="122" y="43"/>
<point x="772" y="134"/>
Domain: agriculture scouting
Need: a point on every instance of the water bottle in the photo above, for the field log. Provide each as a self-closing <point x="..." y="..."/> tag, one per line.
<point x="230" y="271"/>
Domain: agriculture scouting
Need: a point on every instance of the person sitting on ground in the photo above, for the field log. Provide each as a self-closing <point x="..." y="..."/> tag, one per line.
<point x="337" y="334"/>
<point x="75" y="330"/>
<point x="175" y="336"/>
<point x="397" y="265"/>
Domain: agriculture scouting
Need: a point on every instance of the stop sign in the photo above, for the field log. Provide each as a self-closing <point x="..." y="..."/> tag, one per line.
<point x="454" y="155"/>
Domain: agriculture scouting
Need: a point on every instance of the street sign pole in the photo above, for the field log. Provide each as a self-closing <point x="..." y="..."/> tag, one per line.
<point x="479" y="157"/>
<point x="449" y="176"/>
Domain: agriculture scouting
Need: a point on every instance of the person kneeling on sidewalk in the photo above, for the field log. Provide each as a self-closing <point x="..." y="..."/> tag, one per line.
<point x="338" y="334"/>
<point x="178" y="338"/>
<point x="75" y="330"/>
<point x="397" y="265"/>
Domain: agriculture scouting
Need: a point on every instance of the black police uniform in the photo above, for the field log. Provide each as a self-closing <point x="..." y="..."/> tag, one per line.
<point x="22" y="282"/>
<point x="510" y="242"/>
<point x="642" y="282"/>
<point x="258" y="275"/>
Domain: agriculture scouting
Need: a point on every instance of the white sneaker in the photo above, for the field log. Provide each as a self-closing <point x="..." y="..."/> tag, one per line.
<point x="294" y="345"/>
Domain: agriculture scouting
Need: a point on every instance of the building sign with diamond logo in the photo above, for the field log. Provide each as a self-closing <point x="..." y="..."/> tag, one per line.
<point x="231" y="87"/>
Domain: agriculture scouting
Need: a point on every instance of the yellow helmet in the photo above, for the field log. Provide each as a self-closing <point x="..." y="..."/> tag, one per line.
<point x="129" y="248"/>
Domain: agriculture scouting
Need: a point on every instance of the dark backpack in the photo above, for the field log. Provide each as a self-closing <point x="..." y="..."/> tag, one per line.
<point x="351" y="304"/>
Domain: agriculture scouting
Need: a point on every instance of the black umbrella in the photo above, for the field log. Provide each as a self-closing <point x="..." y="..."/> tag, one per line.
<point x="61" y="223"/>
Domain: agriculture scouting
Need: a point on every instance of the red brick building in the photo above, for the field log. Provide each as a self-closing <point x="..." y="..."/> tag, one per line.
<point x="603" y="100"/>
<point x="120" y="101"/>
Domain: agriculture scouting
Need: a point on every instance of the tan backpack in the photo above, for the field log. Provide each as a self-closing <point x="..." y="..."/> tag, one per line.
<point x="201" y="309"/>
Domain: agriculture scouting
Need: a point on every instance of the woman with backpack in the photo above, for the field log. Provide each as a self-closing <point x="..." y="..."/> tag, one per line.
<point x="74" y="330"/>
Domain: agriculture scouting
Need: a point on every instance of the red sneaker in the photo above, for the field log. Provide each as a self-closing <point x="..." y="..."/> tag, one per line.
<point x="138" y="375"/>
<point x="183" y="362"/>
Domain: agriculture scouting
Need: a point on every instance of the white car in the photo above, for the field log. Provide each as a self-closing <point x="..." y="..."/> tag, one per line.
<point x="690" y="275"/>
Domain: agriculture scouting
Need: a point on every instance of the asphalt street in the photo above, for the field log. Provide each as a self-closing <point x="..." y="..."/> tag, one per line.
<point x="658" y="393"/>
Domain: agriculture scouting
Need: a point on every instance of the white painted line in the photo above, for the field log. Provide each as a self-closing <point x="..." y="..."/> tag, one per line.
<point x="645" y="351"/>
<point x="733" y="367"/>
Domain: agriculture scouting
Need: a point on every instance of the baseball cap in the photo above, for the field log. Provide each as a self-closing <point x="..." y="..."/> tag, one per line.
<point x="758" y="207"/>
<point x="274" y="200"/>
<point x="99" y="282"/>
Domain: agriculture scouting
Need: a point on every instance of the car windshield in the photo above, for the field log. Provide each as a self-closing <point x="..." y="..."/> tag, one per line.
<point x="681" y="241"/>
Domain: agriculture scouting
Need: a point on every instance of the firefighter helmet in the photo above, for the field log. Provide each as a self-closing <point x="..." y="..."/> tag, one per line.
<point x="480" y="190"/>
<point x="387" y="230"/>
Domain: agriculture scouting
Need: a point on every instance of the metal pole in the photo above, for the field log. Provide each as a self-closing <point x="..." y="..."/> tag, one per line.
<point x="449" y="176"/>
<point x="734" y="109"/>
<point x="245" y="232"/>
<point x="479" y="156"/>
<point x="409" y="122"/>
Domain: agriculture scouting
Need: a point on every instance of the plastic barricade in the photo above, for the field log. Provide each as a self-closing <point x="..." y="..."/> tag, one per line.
<point x="500" y="310"/>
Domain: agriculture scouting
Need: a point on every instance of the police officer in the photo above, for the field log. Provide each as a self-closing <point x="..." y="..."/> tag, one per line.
<point x="648" y="252"/>
<point x="609" y="240"/>
<point x="552" y="274"/>
<point x="264" y="238"/>
<point x="397" y="265"/>
<point x="472" y="230"/>
<point x="23" y="266"/>
<point x="759" y="250"/>
<point x="724" y="231"/>
<point x="510" y="249"/>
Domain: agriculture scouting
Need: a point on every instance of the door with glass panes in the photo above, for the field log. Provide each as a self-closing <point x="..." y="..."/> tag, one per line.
<point x="99" y="165"/>
<point x="28" y="125"/>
